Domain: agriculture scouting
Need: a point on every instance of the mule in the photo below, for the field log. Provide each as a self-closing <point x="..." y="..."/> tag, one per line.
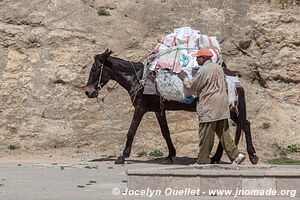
<point x="129" y="74"/>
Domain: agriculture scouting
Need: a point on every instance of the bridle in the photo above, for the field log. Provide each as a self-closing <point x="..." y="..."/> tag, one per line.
<point x="99" y="87"/>
<point x="99" y="100"/>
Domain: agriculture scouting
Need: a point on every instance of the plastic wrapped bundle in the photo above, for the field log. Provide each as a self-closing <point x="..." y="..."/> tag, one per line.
<point x="170" y="86"/>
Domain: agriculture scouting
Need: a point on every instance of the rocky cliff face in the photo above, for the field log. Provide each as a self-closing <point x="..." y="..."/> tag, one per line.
<point x="47" y="48"/>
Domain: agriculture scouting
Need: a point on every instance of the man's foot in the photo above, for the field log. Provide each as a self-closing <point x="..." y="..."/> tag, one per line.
<point x="239" y="159"/>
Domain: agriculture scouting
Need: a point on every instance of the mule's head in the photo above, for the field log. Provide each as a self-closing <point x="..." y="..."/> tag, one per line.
<point x="100" y="74"/>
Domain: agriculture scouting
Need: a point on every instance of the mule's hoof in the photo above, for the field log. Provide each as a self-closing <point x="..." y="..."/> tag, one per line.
<point x="253" y="159"/>
<point x="214" y="161"/>
<point x="126" y="152"/>
<point x="120" y="160"/>
<point x="168" y="161"/>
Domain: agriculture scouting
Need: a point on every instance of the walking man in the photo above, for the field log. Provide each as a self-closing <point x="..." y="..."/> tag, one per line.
<point x="212" y="108"/>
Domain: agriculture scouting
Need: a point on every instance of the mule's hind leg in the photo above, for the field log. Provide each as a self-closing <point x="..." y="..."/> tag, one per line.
<point x="162" y="120"/>
<point x="250" y="148"/>
<point x="137" y="117"/>
<point x="218" y="155"/>
<point x="245" y="125"/>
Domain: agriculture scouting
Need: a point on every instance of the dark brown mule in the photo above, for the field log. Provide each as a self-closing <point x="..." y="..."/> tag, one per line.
<point x="128" y="75"/>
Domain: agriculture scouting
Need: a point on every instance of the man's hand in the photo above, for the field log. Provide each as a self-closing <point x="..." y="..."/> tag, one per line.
<point x="182" y="75"/>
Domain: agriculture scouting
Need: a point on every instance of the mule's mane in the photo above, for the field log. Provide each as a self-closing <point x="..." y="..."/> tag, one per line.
<point x="124" y="63"/>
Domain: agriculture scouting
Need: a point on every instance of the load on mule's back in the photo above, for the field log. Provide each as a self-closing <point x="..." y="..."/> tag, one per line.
<point x="173" y="54"/>
<point x="128" y="74"/>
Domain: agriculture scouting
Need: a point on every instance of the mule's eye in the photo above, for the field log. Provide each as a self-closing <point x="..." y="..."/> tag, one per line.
<point x="94" y="69"/>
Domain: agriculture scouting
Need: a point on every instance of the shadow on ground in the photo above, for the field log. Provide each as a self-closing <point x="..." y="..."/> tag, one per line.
<point x="176" y="160"/>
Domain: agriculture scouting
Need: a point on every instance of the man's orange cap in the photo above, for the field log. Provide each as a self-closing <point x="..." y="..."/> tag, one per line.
<point x="203" y="53"/>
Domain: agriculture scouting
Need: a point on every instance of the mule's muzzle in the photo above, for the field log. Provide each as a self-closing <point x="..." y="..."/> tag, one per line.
<point x="94" y="94"/>
<point x="91" y="92"/>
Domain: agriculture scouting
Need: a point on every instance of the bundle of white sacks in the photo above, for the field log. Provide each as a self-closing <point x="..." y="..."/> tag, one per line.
<point x="173" y="54"/>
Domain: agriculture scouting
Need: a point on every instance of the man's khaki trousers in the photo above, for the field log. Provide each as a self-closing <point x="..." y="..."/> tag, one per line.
<point x="207" y="131"/>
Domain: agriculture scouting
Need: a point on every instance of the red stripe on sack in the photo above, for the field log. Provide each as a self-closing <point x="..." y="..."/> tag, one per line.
<point x="187" y="43"/>
<point x="210" y="42"/>
<point x="196" y="43"/>
<point x="158" y="46"/>
<point x="217" y="53"/>
<point x="163" y="40"/>
<point x="174" y="41"/>
<point x="214" y="49"/>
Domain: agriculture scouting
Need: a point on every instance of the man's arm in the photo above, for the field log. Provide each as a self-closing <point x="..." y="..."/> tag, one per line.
<point x="196" y="83"/>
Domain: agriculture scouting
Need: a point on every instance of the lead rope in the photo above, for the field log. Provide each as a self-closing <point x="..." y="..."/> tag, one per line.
<point x="99" y="100"/>
<point x="107" y="115"/>
<point x="102" y="99"/>
<point x="141" y="83"/>
<point x="100" y="87"/>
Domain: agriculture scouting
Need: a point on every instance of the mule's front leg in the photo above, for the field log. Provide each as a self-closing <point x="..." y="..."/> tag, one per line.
<point x="162" y="120"/>
<point x="137" y="117"/>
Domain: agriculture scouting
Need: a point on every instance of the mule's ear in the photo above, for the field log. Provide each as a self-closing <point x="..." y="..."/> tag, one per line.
<point x="103" y="57"/>
<point x="106" y="54"/>
<point x="107" y="51"/>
